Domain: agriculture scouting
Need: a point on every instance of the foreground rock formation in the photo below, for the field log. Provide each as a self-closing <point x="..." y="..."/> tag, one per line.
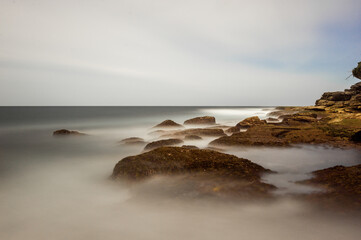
<point x="209" y="172"/>
<point x="341" y="187"/>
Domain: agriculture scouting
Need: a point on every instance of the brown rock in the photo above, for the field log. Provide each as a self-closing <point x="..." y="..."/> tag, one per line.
<point x="190" y="147"/>
<point x="161" y="143"/>
<point x="209" y="172"/>
<point x="205" y="132"/>
<point x="251" y="121"/>
<point x="342" y="187"/>
<point x="206" y="120"/>
<point x="168" y="124"/>
<point x="133" y="141"/>
<point x="233" y="129"/>
<point x="65" y="132"/>
<point x="192" y="137"/>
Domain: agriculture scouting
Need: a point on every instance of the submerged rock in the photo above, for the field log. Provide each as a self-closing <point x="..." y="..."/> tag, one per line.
<point x="209" y="171"/>
<point x="168" y="124"/>
<point x="161" y="143"/>
<point x="192" y="137"/>
<point x="133" y="140"/>
<point x="205" y="132"/>
<point x="206" y="120"/>
<point x="66" y="132"/>
<point x="341" y="185"/>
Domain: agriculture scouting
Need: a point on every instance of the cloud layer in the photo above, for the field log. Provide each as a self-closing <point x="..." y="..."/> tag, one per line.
<point x="176" y="52"/>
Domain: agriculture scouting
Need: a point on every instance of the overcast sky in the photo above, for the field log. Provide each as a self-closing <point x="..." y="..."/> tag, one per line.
<point x="196" y="52"/>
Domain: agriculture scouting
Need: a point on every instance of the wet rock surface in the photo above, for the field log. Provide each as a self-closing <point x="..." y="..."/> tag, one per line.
<point x="161" y="143"/>
<point x="341" y="188"/>
<point x="206" y="120"/>
<point x="209" y="171"/>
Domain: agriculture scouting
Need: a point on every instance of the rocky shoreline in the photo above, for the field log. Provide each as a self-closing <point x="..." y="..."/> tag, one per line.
<point x="334" y="121"/>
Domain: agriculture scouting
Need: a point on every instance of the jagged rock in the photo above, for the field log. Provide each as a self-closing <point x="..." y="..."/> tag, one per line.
<point x="251" y="121"/>
<point x="161" y="143"/>
<point x="206" y="171"/>
<point x="168" y="124"/>
<point x="66" y="132"/>
<point x="206" y="120"/>
<point x="192" y="137"/>
<point x="356" y="137"/>
<point x="133" y="141"/>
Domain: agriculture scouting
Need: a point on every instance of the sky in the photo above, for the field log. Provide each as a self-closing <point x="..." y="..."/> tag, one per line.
<point x="176" y="53"/>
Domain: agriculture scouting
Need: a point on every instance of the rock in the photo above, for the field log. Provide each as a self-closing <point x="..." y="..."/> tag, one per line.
<point x="65" y="132"/>
<point x="206" y="120"/>
<point x="342" y="187"/>
<point x="356" y="137"/>
<point x="168" y="124"/>
<point x="316" y="108"/>
<point x="133" y="141"/>
<point x="205" y="132"/>
<point x="161" y="143"/>
<point x="190" y="147"/>
<point x="233" y="129"/>
<point x="299" y="118"/>
<point x="209" y="172"/>
<point x="251" y="121"/>
<point x="349" y="98"/>
<point x="192" y="137"/>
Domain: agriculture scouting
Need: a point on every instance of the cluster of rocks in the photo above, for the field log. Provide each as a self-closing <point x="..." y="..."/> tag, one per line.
<point x="350" y="99"/>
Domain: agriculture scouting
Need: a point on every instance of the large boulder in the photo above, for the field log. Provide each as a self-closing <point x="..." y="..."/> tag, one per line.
<point x="206" y="120"/>
<point x="168" y="124"/>
<point x="161" y="143"/>
<point x="206" y="171"/>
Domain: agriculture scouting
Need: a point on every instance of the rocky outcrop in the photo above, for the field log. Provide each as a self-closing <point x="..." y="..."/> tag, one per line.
<point x="133" y="141"/>
<point x="341" y="185"/>
<point x="161" y="143"/>
<point x="168" y="124"/>
<point x="206" y="120"/>
<point x="349" y="99"/>
<point x="66" y="132"/>
<point x="208" y="172"/>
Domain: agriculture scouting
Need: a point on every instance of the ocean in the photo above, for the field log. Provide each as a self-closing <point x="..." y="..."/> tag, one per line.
<point x="60" y="187"/>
